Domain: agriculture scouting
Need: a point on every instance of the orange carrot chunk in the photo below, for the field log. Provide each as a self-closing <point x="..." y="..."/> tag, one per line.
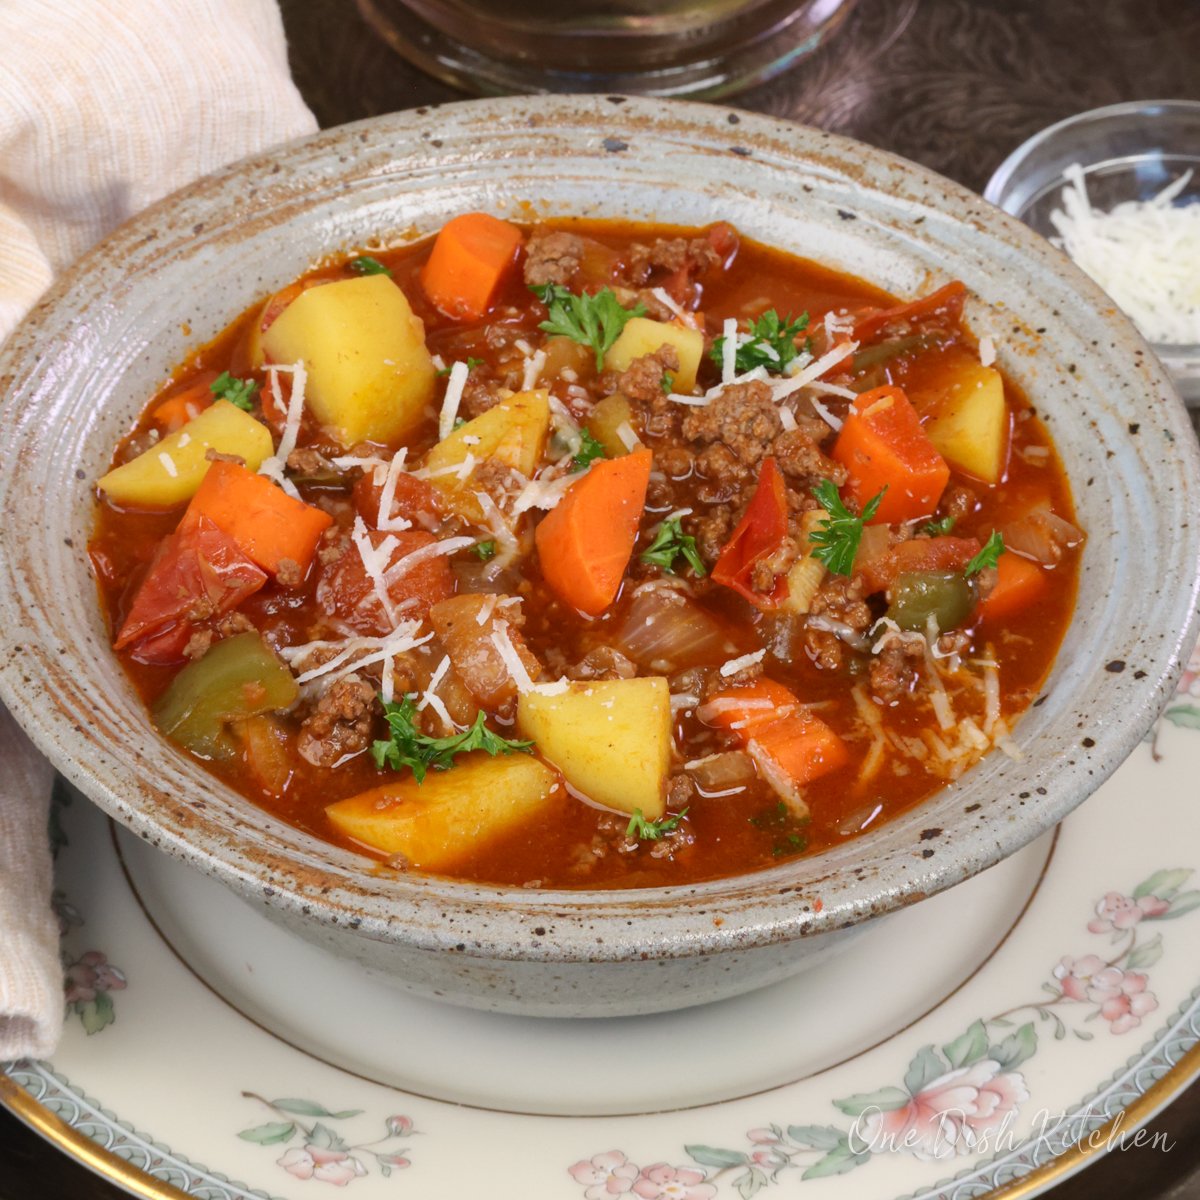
<point x="470" y="258"/>
<point x="585" y="542"/>
<point x="177" y="410"/>
<point x="267" y="524"/>
<point x="882" y="444"/>
<point x="1019" y="583"/>
<point x="791" y="745"/>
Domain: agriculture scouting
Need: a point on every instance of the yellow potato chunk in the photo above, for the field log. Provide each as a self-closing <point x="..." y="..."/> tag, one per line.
<point x="171" y="470"/>
<point x="971" y="428"/>
<point x="439" y="822"/>
<point x="610" y="738"/>
<point x="513" y="432"/>
<point x="370" y="376"/>
<point x="642" y="336"/>
<point x="605" y="423"/>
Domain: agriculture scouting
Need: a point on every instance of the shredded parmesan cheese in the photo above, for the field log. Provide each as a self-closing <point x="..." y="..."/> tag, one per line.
<point x="533" y="369"/>
<point x="834" y="423"/>
<point x="987" y="350"/>
<point x="452" y="398"/>
<point x="512" y="660"/>
<point x="402" y="566"/>
<point x="273" y="466"/>
<point x="787" y="418"/>
<point x="815" y="370"/>
<point x="734" y="665"/>
<point x="373" y="560"/>
<point x="629" y="439"/>
<point x="729" y="351"/>
<point x="668" y="301"/>
<point x="373" y="650"/>
<point x="1144" y="254"/>
<point x="384" y="520"/>
<point x="168" y="464"/>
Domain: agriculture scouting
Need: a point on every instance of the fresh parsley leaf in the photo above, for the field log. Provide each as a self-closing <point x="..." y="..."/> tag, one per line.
<point x="641" y="830"/>
<point x="459" y="422"/>
<point x="835" y="540"/>
<point x="772" y="344"/>
<point x="589" y="450"/>
<point x="669" y="542"/>
<point x="594" y="320"/>
<point x="667" y="383"/>
<point x="239" y="392"/>
<point x="472" y="363"/>
<point x="484" y="550"/>
<point x="406" y="747"/>
<point x="364" y="264"/>
<point x="938" y="528"/>
<point x="988" y="556"/>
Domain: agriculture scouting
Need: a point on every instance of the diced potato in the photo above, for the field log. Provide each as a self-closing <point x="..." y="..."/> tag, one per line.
<point x="514" y="432"/>
<point x="605" y="423"/>
<point x="970" y="430"/>
<point x="171" y="470"/>
<point x="611" y="739"/>
<point x="439" y="822"/>
<point x="642" y="336"/>
<point x="370" y="376"/>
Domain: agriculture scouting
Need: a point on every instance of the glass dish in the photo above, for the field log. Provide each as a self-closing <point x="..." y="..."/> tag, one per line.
<point x="1127" y="152"/>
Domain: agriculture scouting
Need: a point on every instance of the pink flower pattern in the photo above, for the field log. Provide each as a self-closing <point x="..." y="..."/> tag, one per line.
<point x="604" y="1175"/>
<point x="329" y="1166"/>
<point x="976" y="1091"/>
<point x="90" y="974"/>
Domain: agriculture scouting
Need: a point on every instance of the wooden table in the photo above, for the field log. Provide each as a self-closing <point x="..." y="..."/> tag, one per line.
<point x="952" y="84"/>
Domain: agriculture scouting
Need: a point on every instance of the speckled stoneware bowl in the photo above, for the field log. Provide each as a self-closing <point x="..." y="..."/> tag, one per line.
<point x="76" y="373"/>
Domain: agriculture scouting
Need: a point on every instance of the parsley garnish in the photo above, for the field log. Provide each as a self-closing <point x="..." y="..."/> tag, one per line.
<point x="364" y="264"/>
<point x="589" y="450"/>
<point x="669" y="542"/>
<point x="772" y="344"/>
<point x="484" y="550"/>
<point x="406" y="747"/>
<point x="938" y="528"/>
<point x="641" y="830"/>
<point x="594" y="320"/>
<point x="472" y="363"/>
<point x="988" y="556"/>
<point x="667" y="382"/>
<point x="239" y="392"/>
<point x="836" y="540"/>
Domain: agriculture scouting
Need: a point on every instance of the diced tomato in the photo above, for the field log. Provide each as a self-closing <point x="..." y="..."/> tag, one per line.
<point x="917" y="554"/>
<point x="345" y="590"/>
<point x="197" y="575"/>
<point x="945" y="305"/>
<point x="415" y="500"/>
<point x="759" y="534"/>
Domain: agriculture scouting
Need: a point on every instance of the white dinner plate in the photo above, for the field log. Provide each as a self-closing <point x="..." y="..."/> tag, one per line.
<point x="997" y="1036"/>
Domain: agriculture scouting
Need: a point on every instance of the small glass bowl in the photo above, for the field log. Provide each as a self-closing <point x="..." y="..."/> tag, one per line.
<point x="1127" y="152"/>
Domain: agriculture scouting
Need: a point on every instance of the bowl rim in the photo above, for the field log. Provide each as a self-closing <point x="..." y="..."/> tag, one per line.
<point x="721" y="915"/>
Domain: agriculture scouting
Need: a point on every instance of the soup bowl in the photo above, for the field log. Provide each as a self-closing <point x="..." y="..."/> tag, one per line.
<point x="76" y="373"/>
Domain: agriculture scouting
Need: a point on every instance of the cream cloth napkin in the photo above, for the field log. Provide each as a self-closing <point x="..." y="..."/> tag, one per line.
<point x="105" y="106"/>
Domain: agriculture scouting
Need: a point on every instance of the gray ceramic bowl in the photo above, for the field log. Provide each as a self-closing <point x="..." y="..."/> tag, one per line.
<point x="75" y="374"/>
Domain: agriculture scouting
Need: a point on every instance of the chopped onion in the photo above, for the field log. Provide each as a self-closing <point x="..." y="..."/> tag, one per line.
<point x="666" y="631"/>
<point x="1041" y="535"/>
<point x="733" y="769"/>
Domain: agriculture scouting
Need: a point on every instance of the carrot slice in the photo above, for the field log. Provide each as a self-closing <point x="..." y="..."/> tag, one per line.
<point x="176" y="411"/>
<point x="267" y="524"/>
<point x="585" y="542"/>
<point x="790" y="743"/>
<point x="469" y="259"/>
<point x="758" y="535"/>
<point x="882" y="444"/>
<point x="1019" y="583"/>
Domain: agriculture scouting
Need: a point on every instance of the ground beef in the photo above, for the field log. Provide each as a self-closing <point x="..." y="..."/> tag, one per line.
<point x="234" y="623"/>
<point x="198" y="644"/>
<point x="288" y="573"/>
<point x="894" y="670"/>
<point x="216" y="456"/>
<point x="958" y="502"/>
<point x="690" y="256"/>
<point x="477" y="396"/>
<point x="675" y="462"/>
<point x="340" y="724"/>
<point x="680" y="791"/>
<point x="840" y="599"/>
<point x="497" y="479"/>
<point x="711" y="531"/>
<point x="743" y="418"/>
<point x="334" y="543"/>
<point x="656" y="310"/>
<point x="605" y="662"/>
<point x="642" y="380"/>
<point x="307" y="461"/>
<point x="800" y="459"/>
<point x="553" y="258"/>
